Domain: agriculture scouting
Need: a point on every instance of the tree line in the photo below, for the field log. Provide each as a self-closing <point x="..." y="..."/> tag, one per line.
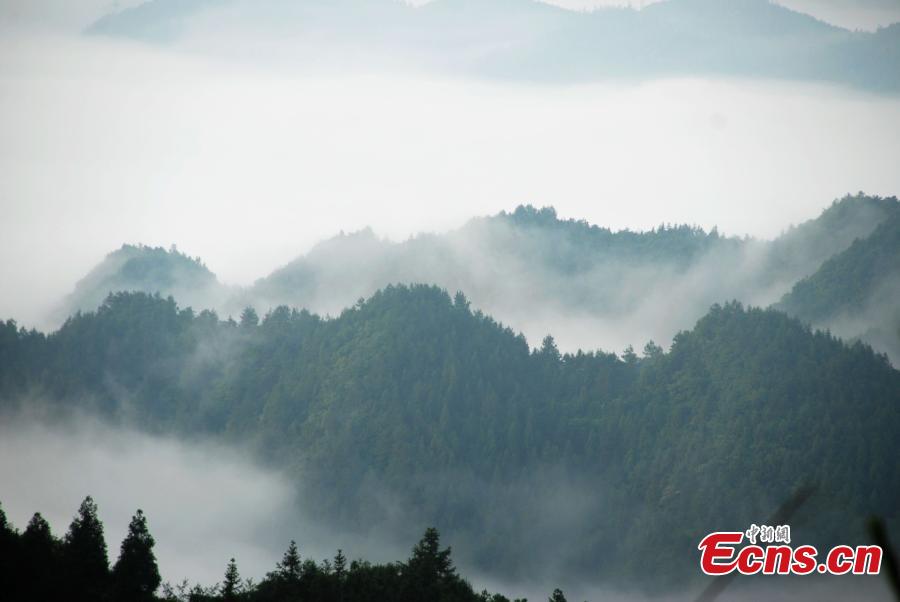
<point x="35" y="565"/>
<point x="621" y="459"/>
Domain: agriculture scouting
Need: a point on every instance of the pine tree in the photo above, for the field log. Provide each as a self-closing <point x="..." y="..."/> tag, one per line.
<point x="136" y="574"/>
<point x="232" y="584"/>
<point x="429" y="558"/>
<point x="84" y="554"/>
<point x="340" y="573"/>
<point x="340" y="565"/>
<point x="39" y="560"/>
<point x="430" y="570"/>
<point x="249" y="318"/>
<point x="290" y="565"/>
<point x="9" y="558"/>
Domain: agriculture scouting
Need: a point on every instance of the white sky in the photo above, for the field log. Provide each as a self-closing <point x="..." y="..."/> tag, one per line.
<point x="103" y="143"/>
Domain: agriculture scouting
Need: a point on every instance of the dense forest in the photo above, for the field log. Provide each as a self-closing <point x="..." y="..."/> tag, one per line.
<point x="533" y="270"/>
<point x="855" y="292"/>
<point x="413" y="397"/>
<point x="35" y="565"/>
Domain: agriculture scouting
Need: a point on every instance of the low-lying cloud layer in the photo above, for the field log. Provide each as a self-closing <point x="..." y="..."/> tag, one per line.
<point x="205" y="502"/>
<point x="108" y="143"/>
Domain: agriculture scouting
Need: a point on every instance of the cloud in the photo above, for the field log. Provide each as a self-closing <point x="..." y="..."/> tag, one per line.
<point x="108" y="142"/>
<point x="205" y="502"/>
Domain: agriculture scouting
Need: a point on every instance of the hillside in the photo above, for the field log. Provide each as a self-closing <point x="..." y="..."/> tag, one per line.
<point x="590" y="286"/>
<point x="855" y="292"/>
<point x="531" y="41"/>
<point x="411" y="409"/>
<point x="149" y="270"/>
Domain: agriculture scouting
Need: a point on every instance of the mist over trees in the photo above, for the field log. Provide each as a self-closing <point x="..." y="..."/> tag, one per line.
<point x="412" y="409"/>
<point x="591" y="287"/>
<point x="35" y="565"/>
<point x="855" y="292"/>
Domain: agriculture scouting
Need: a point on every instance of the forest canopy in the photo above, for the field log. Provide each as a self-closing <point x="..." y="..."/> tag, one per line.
<point x="414" y="394"/>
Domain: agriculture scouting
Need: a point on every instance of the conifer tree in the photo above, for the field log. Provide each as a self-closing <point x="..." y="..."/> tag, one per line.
<point x="9" y="557"/>
<point x="85" y="555"/>
<point x="290" y="565"/>
<point x="136" y="574"/>
<point x="340" y="565"/>
<point x="40" y="560"/>
<point x="430" y="570"/>
<point x="232" y="584"/>
<point x="249" y="318"/>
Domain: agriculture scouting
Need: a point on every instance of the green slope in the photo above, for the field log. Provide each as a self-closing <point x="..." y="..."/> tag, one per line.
<point x="411" y="409"/>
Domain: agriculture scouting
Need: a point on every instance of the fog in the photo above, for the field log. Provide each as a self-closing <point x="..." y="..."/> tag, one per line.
<point x="253" y="163"/>
<point x="205" y="502"/>
<point x="107" y="142"/>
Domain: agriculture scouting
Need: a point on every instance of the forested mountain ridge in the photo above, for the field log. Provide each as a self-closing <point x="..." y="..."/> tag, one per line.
<point x="539" y="273"/>
<point x="805" y="247"/>
<point x="531" y="41"/>
<point x="147" y="269"/>
<point x="855" y="292"/>
<point x="414" y="398"/>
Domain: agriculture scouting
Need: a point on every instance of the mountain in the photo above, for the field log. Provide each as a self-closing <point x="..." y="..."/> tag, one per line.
<point x="538" y="273"/>
<point x="147" y="269"/>
<point x="855" y="292"/>
<point x="526" y="40"/>
<point x="587" y="284"/>
<point x="411" y="409"/>
<point x="803" y="248"/>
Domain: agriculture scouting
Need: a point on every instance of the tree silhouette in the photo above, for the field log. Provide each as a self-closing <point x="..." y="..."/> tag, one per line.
<point x="9" y="557"/>
<point x="84" y="554"/>
<point x="232" y="584"/>
<point x="290" y="565"/>
<point x="136" y="574"/>
<point x="340" y="565"/>
<point x="249" y="318"/>
<point x="557" y="596"/>
<point x="429" y="572"/>
<point x="40" y="559"/>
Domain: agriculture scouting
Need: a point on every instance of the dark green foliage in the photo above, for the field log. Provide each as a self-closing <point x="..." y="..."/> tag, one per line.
<point x="528" y="262"/>
<point x="290" y="565"/>
<point x="429" y="573"/>
<point x="85" y="558"/>
<point x="557" y="596"/>
<point x="9" y="557"/>
<point x="848" y="280"/>
<point x="231" y="586"/>
<point x="803" y="248"/>
<point x="135" y="575"/>
<point x="150" y="270"/>
<point x="33" y="570"/>
<point x="39" y="561"/>
<point x="855" y="292"/>
<point x="414" y="394"/>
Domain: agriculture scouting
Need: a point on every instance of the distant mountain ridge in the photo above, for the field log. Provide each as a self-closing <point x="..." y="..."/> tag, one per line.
<point x="146" y="269"/>
<point x="527" y="40"/>
<point x="589" y="286"/>
<point x="856" y="293"/>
